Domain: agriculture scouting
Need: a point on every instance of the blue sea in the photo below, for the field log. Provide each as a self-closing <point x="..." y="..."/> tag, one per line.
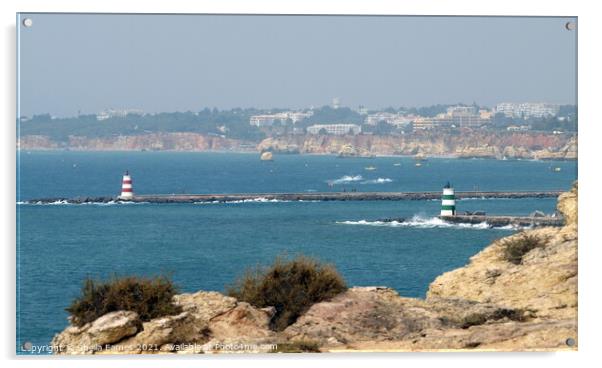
<point x="206" y="246"/>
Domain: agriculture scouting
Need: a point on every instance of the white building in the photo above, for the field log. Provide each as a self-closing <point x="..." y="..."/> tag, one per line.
<point x="527" y="109"/>
<point x="335" y="129"/>
<point x="472" y="110"/>
<point x="455" y="117"/>
<point x="270" y="119"/>
<point x="397" y="120"/>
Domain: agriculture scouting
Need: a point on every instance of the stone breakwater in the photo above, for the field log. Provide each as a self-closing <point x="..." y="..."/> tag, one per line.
<point x="489" y="304"/>
<point x="331" y="196"/>
<point x="500" y="221"/>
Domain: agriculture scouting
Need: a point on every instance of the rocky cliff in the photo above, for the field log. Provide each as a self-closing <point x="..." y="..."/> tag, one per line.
<point x="524" y="145"/>
<point x="149" y="142"/>
<point x="490" y="304"/>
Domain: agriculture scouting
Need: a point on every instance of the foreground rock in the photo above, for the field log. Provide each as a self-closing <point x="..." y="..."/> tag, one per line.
<point x="209" y="322"/>
<point x="490" y="304"/>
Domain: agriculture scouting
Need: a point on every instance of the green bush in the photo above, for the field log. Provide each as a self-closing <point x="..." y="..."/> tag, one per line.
<point x="289" y="286"/>
<point x="149" y="297"/>
<point x="516" y="247"/>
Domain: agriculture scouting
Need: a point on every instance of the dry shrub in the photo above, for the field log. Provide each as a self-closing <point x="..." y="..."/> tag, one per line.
<point x="149" y="297"/>
<point x="289" y="286"/>
<point x="516" y="247"/>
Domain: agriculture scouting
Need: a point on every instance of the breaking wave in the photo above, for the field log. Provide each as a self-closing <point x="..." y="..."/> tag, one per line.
<point x="68" y="203"/>
<point x="358" y="179"/>
<point x="377" y="181"/>
<point x="251" y="200"/>
<point x="346" y="179"/>
<point x="427" y="223"/>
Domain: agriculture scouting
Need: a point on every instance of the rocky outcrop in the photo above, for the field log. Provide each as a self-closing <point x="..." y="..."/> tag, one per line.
<point x="490" y="304"/>
<point x="92" y="336"/>
<point x="499" y="145"/>
<point x="474" y="144"/>
<point x="147" y="142"/>
<point x="209" y="322"/>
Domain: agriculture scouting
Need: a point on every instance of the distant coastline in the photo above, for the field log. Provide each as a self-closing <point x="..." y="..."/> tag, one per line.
<point x="523" y="145"/>
<point x="450" y="156"/>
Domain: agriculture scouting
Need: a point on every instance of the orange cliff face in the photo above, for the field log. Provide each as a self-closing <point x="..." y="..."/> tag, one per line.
<point x="151" y="142"/>
<point x="525" y="145"/>
<point x="476" y="144"/>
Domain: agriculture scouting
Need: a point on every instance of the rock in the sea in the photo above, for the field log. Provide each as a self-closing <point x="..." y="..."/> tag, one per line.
<point x="267" y="156"/>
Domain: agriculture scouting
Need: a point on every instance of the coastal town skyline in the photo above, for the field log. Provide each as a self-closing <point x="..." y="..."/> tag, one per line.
<point x="123" y="110"/>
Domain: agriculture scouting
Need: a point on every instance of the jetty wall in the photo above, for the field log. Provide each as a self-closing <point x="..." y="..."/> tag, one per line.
<point x="324" y="196"/>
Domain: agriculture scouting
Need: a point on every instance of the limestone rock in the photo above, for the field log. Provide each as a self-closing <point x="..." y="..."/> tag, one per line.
<point x="108" y="329"/>
<point x="545" y="282"/>
<point x="204" y="305"/>
<point x="159" y="332"/>
<point x="363" y="314"/>
<point x="207" y="319"/>
<point x="242" y="320"/>
<point x="567" y="205"/>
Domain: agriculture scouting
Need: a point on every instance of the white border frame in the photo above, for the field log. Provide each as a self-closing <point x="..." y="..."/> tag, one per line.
<point x="589" y="80"/>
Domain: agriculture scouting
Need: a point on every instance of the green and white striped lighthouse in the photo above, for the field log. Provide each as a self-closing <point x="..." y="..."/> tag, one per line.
<point x="448" y="201"/>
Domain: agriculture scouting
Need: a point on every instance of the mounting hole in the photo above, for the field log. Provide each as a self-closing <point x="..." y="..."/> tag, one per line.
<point x="27" y="22"/>
<point x="570" y="341"/>
<point x="571" y="26"/>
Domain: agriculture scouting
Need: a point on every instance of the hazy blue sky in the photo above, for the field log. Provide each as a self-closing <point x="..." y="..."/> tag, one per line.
<point x="188" y="62"/>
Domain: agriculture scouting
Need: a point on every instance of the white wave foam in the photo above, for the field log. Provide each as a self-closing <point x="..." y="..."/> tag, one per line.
<point x="378" y="181"/>
<point x="346" y="179"/>
<point x="249" y="200"/>
<point x="40" y="203"/>
<point x="426" y="223"/>
<point x="67" y="203"/>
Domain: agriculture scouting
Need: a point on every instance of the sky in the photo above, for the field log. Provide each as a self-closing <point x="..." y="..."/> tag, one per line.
<point x="70" y="63"/>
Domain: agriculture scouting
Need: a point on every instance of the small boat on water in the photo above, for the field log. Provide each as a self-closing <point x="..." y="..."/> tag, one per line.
<point x="397" y="164"/>
<point x="418" y="164"/>
<point x="556" y="169"/>
<point x="370" y="168"/>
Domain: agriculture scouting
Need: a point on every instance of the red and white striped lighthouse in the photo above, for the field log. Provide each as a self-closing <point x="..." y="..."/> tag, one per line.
<point x="126" y="187"/>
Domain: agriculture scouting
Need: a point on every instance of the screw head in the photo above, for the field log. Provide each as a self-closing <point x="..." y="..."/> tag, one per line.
<point x="27" y="22"/>
<point x="570" y="341"/>
<point x="570" y="26"/>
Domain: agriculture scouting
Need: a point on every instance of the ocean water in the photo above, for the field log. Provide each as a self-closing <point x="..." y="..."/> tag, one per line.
<point x="206" y="246"/>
